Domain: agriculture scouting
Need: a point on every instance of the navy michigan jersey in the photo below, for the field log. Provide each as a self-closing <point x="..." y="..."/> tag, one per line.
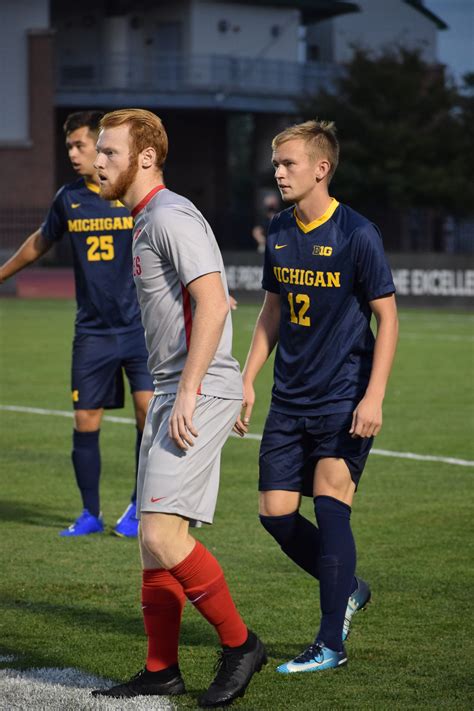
<point x="326" y="273"/>
<point x="101" y="239"/>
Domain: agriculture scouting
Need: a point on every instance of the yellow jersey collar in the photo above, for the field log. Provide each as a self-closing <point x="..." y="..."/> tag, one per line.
<point x="320" y="220"/>
<point x="92" y="186"/>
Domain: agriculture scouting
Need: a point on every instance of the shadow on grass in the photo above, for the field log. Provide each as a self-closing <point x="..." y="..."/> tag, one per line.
<point x="28" y="513"/>
<point x="195" y="632"/>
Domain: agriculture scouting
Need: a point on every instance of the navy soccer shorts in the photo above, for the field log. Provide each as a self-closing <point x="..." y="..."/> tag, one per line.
<point x="98" y="362"/>
<point x="291" y="447"/>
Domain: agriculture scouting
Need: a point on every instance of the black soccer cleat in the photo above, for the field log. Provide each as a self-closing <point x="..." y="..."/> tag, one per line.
<point x="235" y="668"/>
<point x="167" y="682"/>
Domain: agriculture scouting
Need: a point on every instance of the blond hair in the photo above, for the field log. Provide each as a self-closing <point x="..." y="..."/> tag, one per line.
<point x="146" y="129"/>
<point x="320" y="137"/>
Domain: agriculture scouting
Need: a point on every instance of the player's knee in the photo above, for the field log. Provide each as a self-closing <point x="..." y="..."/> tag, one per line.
<point x="163" y="535"/>
<point x="140" y="417"/>
<point x="141" y="401"/>
<point x="154" y="542"/>
<point x="280" y="527"/>
<point x="87" y="420"/>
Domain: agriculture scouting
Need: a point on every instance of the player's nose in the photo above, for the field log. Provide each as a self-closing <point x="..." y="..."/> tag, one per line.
<point x="97" y="162"/>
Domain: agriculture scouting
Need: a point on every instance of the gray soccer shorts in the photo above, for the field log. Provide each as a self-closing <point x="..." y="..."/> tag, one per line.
<point x="184" y="482"/>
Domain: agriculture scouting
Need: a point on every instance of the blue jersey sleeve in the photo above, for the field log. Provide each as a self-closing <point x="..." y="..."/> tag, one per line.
<point x="269" y="280"/>
<point x="55" y="224"/>
<point x="372" y="272"/>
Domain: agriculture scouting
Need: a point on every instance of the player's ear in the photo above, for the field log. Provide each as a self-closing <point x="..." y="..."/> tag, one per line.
<point x="148" y="157"/>
<point x="322" y="169"/>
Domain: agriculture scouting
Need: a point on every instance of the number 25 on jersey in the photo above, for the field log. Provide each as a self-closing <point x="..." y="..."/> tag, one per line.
<point x="100" y="248"/>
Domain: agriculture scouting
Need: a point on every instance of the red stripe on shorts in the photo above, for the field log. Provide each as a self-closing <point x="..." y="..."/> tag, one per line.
<point x="188" y="319"/>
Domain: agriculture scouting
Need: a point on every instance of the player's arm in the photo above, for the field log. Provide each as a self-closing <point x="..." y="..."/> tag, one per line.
<point x="209" y="318"/>
<point x="265" y="337"/>
<point x="30" y="251"/>
<point x="367" y="417"/>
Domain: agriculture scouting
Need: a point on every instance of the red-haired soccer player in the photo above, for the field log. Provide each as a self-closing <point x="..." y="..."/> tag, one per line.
<point x="184" y="301"/>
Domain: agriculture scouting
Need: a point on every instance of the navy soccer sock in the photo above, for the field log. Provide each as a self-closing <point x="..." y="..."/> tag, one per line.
<point x="298" y="538"/>
<point x="337" y="563"/>
<point x="86" y="461"/>
<point x="138" y="442"/>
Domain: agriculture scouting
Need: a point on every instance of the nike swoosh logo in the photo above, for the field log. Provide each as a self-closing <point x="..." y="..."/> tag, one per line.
<point x="197" y="598"/>
<point x="75" y="204"/>
<point x="155" y="499"/>
<point x="280" y="246"/>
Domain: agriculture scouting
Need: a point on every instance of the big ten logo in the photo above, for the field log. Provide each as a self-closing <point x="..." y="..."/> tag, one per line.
<point x="322" y="251"/>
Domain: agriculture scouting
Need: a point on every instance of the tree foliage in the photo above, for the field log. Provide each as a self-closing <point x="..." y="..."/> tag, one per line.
<point x="406" y="133"/>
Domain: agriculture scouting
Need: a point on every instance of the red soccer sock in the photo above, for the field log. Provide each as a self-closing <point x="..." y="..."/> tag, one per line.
<point x="204" y="584"/>
<point x="163" y="601"/>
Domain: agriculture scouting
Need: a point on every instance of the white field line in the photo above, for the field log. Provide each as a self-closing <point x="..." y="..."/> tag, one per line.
<point x="54" y="689"/>
<point x="436" y="337"/>
<point x="258" y="437"/>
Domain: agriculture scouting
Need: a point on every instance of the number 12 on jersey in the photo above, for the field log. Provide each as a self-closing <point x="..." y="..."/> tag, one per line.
<point x="299" y="304"/>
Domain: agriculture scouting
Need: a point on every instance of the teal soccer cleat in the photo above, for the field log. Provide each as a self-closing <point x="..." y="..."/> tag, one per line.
<point x="84" y="525"/>
<point x="357" y="601"/>
<point x="127" y="525"/>
<point x="316" y="658"/>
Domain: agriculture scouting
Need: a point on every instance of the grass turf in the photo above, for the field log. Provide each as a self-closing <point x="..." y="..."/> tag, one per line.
<point x="75" y="602"/>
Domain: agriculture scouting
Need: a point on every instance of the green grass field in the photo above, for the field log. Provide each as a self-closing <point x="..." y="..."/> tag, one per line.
<point x="75" y="602"/>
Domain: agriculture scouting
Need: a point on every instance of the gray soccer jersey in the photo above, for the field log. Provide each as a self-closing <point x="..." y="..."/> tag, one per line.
<point x="173" y="245"/>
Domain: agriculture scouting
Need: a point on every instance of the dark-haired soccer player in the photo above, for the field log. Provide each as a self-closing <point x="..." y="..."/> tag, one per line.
<point x="108" y="331"/>
<point x="184" y="300"/>
<point x="325" y="274"/>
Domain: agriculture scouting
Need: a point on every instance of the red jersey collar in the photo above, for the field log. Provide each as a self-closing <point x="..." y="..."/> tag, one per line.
<point x="146" y="200"/>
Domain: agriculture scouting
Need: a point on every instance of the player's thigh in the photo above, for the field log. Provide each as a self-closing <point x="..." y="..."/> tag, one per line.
<point x="134" y="357"/>
<point x="96" y="374"/>
<point x="339" y="458"/>
<point x="282" y="458"/>
<point x="183" y="482"/>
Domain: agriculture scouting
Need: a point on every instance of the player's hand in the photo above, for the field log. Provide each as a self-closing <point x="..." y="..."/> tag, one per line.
<point x="180" y="427"/>
<point x="367" y="418"/>
<point x="241" y="427"/>
<point x="233" y="303"/>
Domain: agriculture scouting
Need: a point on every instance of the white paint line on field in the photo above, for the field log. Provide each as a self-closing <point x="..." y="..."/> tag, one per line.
<point x="258" y="437"/>
<point x="426" y="337"/>
<point x="68" y="689"/>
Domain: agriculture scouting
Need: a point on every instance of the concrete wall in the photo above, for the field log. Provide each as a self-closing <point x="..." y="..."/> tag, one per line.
<point x="264" y="32"/>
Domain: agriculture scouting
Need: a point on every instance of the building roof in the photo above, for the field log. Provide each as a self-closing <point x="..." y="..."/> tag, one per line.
<point x="419" y="5"/>
<point x="311" y="10"/>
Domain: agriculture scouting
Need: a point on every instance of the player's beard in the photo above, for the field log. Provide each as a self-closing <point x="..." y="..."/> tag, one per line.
<point x="117" y="190"/>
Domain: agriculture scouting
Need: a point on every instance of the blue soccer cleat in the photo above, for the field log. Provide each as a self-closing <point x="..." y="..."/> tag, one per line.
<point x="127" y="525"/>
<point x="316" y="658"/>
<point x="84" y="525"/>
<point x="357" y="601"/>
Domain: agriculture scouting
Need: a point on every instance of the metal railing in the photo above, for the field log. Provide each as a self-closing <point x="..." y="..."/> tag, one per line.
<point x="181" y="73"/>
